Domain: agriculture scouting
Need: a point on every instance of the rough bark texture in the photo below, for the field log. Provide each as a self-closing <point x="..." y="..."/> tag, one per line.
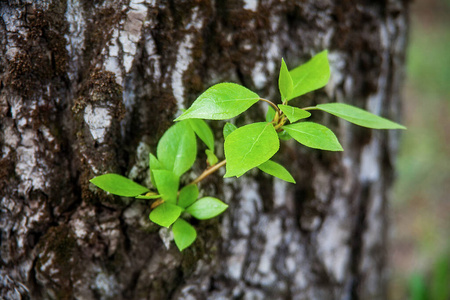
<point x="88" y="87"/>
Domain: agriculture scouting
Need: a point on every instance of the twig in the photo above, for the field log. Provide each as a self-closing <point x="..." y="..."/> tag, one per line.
<point x="209" y="171"/>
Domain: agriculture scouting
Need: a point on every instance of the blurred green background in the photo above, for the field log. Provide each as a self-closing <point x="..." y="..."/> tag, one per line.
<point x="420" y="239"/>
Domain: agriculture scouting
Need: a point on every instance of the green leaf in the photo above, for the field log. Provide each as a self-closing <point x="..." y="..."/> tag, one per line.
<point x="188" y="195"/>
<point x="249" y="146"/>
<point x="221" y="101"/>
<point x="206" y="208"/>
<point x="314" y="135"/>
<point x="203" y="131"/>
<point x="183" y="234"/>
<point x="177" y="148"/>
<point x="275" y="169"/>
<point x="118" y="185"/>
<point x="211" y="158"/>
<point x="167" y="183"/>
<point x="310" y="76"/>
<point x="165" y="214"/>
<point x="227" y="129"/>
<point x="270" y="114"/>
<point x="154" y="163"/>
<point x="294" y="113"/>
<point x="285" y="81"/>
<point x="283" y="135"/>
<point x="148" y="196"/>
<point x="358" y="116"/>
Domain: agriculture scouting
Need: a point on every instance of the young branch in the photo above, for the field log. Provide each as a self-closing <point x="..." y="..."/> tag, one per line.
<point x="209" y="171"/>
<point x="272" y="104"/>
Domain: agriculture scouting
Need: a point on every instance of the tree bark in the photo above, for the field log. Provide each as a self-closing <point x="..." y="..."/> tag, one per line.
<point x="88" y="87"/>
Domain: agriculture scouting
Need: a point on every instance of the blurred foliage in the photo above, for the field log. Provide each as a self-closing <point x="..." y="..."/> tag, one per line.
<point x="436" y="287"/>
<point x="421" y="208"/>
<point x="428" y="54"/>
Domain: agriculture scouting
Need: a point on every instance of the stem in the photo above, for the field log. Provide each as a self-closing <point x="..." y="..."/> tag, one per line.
<point x="276" y="118"/>
<point x="271" y="103"/>
<point x="157" y="202"/>
<point x="310" y="108"/>
<point x="209" y="171"/>
<point x="281" y="123"/>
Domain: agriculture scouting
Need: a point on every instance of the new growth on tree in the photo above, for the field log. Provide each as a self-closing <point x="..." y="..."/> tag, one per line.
<point x="247" y="147"/>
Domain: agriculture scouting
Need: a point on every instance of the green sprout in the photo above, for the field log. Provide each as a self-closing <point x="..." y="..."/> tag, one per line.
<point x="247" y="147"/>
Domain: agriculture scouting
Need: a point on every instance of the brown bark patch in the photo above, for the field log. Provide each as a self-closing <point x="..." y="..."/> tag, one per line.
<point x="57" y="261"/>
<point x="42" y="55"/>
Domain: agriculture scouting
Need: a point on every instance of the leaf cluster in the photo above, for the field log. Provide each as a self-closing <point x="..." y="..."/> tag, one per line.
<point x="247" y="147"/>
<point x="176" y="153"/>
<point x="253" y="145"/>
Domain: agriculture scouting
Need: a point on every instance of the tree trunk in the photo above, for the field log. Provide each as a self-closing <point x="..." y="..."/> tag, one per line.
<point x="88" y="87"/>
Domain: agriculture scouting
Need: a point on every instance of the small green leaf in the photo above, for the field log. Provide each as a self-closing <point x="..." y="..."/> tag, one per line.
<point x="148" y="196"/>
<point x="118" y="185"/>
<point x="203" y="131"/>
<point x="283" y="135"/>
<point x="211" y="158"/>
<point x="227" y="129"/>
<point x="310" y="76"/>
<point x="188" y="195"/>
<point x="275" y="169"/>
<point x="154" y="163"/>
<point x="285" y="81"/>
<point x="206" y="208"/>
<point x="177" y="148"/>
<point x="221" y="101"/>
<point x="249" y="146"/>
<point x="294" y="113"/>
<point x="358" y="116"/>
<point x="167" y="183"/>
<point x="165" y="214"/>
<point x="314" y="135"/>
<point x="270" y="114"/>
<point x="183" y="234"/>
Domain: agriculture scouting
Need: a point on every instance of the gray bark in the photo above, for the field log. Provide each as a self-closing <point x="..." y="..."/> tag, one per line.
<point x="88" y="87"/>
